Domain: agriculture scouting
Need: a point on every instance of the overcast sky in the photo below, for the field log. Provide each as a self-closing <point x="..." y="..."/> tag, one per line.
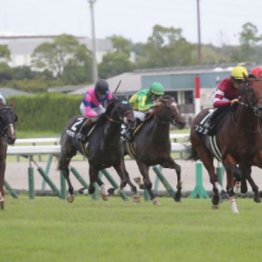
<point x="221" y="20"/>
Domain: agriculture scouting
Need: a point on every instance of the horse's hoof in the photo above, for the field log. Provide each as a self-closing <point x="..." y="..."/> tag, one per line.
<point x="257" y="199"/>
<point x="155" y="202"/>
<point x="138" y="180"/>
<point x="177" y="197"/>
<point x="111" y="191"/>
<point x="136" y="199"/>
<point x="104" y="197"/>
<point x="70" y="198"/>
<point x="215" y="207"/>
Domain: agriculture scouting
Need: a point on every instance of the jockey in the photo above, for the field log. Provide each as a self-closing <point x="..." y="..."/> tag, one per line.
<point x="226" y="94"/>
<point x="143" y="102"/>
<point x="93" y="105"/>
<point x="256" y="72"/>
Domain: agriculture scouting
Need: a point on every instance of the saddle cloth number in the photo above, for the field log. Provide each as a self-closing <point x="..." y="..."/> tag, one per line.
<point x="74" y="128"/>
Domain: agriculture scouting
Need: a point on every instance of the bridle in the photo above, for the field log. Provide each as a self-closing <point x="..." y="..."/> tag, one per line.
<point x="252" y="105"/>
<point x="118" y="113"/>
<point x="171" y="115"/>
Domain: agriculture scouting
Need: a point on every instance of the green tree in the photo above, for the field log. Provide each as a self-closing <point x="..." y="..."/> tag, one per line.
<point x="5" y="53"/>
<point x="64" y="51"/>
<point x="117" y="61"/>
<point x="165" y="47"/>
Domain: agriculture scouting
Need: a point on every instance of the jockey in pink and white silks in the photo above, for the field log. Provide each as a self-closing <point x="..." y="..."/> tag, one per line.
<point x="93" y="105"/>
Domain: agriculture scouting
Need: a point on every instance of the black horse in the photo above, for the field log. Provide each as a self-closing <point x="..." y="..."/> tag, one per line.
<point x="7" y="137"/>
<point x="104" y="148"/>
<point x="237" y="143"/>
<point x="151" y="145"/>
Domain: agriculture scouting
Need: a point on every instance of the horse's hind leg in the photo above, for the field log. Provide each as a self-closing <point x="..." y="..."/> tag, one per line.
<point x="63" y="166"/>
<point x="172" y="164"/>
<point x="246" y="175"/>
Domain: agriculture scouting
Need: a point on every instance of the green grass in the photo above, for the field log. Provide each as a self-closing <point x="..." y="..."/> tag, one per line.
<point x="50" y="229"/>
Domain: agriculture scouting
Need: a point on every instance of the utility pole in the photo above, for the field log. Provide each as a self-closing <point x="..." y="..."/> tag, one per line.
<point x="199" y="55"/>
<point x="94" y="63"/>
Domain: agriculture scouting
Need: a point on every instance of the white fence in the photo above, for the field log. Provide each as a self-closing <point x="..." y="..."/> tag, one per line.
<point x="38" y="146"/>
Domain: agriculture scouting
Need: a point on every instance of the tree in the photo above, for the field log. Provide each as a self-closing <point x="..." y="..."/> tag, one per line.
<point x="5" y="53"/>
<point x="165" y="47"/>
<point x="64" y="51"/>
<point x="117" y="61"/>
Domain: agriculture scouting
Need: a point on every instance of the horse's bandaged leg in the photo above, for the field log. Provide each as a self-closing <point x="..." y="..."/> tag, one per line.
<point x="233" y="205"/>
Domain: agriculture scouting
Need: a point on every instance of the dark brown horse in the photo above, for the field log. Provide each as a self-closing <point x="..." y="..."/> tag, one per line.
<point x="103" y="150"/>
<point x="237" y="143"/>
<point x="7" y="137"/>
<point x="152" y="145"/>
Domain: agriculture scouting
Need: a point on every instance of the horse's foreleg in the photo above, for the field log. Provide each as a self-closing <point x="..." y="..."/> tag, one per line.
<point x="94" y="178"/>
<point x="232" y="172"/>
<point x="144" y="170"/>
<point x="2" y="177"/>
<point x="172" y="164"/>
<point x="125" y="179"/>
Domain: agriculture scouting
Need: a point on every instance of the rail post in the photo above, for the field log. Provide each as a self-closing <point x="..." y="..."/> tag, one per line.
<point x="10" y="190"/>
<point x="164" y="181"/>
<point x="31" y="183"/>
<point x="199" y="190"/>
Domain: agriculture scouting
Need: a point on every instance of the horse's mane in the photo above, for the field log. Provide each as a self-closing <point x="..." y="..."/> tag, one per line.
<point x="103" y="117"/>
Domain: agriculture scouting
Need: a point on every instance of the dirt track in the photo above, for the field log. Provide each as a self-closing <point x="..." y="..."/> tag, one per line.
<point x="17" y="175"/>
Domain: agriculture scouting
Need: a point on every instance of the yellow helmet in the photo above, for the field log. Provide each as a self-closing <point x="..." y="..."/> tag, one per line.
<point x="239" y="72"/>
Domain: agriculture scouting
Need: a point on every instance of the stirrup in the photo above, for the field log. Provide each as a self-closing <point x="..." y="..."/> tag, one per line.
<point x="80" y="137"/>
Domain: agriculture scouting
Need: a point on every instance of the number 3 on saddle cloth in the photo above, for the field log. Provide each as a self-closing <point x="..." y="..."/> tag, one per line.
<point x="80" y="126"/>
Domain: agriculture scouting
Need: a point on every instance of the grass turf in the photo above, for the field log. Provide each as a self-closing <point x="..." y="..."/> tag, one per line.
<point x="50" y="229"/>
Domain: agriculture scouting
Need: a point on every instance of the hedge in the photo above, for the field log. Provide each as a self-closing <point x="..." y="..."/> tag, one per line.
<point x="45" y="112"/>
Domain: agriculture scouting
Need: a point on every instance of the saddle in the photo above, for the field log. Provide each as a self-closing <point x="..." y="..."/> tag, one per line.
<point x="78" y="125"/>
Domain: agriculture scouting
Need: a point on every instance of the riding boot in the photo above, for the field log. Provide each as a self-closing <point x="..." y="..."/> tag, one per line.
<point x="81" y="136"/>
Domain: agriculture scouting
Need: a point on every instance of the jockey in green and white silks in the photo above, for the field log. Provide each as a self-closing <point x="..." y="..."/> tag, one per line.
<point x="144" y="100"/>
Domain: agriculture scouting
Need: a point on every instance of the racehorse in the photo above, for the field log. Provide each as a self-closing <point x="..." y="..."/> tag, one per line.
<point x="237" y="143"/>
<point x="151" y="145"/>
<point x="103" y="150"/>
<point x="7" y="137"/>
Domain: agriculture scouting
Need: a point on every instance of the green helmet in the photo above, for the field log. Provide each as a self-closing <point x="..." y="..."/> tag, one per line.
<point x="157" y="88"/>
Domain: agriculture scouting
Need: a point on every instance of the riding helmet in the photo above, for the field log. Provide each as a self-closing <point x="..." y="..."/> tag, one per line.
<point x="101" y="87"/>
<point x="239" y="72"/>
<point x="257" y="71"/>
<point x="157" y="89"/>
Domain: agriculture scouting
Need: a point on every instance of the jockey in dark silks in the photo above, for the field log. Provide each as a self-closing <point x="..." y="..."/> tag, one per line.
<point x="93" y="105"/>
<point x="227" y="93"/>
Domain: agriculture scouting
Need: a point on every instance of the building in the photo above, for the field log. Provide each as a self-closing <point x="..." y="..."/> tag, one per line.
<point x="22" y="47"/>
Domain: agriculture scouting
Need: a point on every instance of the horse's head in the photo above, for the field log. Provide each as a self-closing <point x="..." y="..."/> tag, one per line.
<point x="120" y="111"/>
<point x="167" y="111"/>
<point x="7" y="121"/>
<point x="251" y="96"/>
